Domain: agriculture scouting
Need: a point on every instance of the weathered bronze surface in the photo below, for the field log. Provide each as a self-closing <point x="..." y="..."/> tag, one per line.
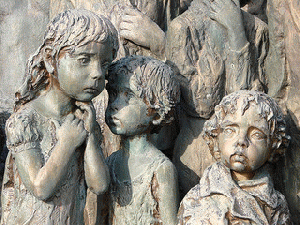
<point x="246" y="132"/>
<point x="53" y="137"/>
<point x="214" y="47"/>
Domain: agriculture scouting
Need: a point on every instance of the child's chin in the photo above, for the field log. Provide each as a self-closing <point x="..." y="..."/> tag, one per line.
<point x="86" y="97"/>
<point x="115" y="130"/>
<point x="238" y="167"/>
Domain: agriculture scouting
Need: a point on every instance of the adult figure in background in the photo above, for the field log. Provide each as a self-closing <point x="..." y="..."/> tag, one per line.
<point x="218" y="48"/>
<point x="283" y="74"/>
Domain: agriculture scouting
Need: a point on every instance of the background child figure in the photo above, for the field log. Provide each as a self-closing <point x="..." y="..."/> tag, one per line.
<point x="246" y="132"/>
<point x="53" y="137"/>
<point x="142" y="96"/>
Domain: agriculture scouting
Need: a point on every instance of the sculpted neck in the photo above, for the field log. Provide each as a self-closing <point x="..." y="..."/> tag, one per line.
<point x="242" y="176"/>
<point x="135" y="145"/>
<point x="54" y="104"/>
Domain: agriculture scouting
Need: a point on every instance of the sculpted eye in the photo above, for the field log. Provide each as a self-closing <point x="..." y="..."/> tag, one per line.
<point x="84" y="60"/>
<point x="113" y="94"/>
<point x="258" y="135"/>
<point x="128" y="94"/>
<point x="229" y="131"/>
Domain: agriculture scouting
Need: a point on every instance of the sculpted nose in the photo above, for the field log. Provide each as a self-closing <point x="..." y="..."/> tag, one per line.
<point x="243" y="140"/>
<point x="114" y="106"/>
<point x="97" y="72"/>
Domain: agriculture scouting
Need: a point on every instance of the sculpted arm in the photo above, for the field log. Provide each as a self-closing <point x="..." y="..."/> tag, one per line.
<point x="96" y="171"/>
<point x="42" y="180"/>
<point x="229" y="15"/>
<point x="167" y="193"/>
<point x="140" y="29"/>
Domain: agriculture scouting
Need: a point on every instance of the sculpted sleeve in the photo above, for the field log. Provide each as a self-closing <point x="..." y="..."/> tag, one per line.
<point x="245" y="69"/>
<point x="22" y="132"/>
<point x="238" y="70"/>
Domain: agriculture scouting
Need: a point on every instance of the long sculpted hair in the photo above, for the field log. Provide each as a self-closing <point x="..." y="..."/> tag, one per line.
<point x="66" y="31"/>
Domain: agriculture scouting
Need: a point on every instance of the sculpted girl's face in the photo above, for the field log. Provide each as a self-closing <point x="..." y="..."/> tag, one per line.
<point x="244" y="141"/>
<point x="81" y="74"/>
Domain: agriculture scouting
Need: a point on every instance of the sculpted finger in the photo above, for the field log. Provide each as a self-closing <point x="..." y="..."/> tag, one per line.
<point x="79" y="113"/>
<point x="76" y="121"/>
<point x="81" y="125"/>
<point x="83" y="105"/>
<point x="88" y="109"/>
<point x="128" y="19"/>
<point x="127" y="34"/>
<point x="70" y="118"/>
<point x="126" y="26"/>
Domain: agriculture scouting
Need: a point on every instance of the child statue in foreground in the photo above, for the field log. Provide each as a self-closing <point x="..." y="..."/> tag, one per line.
<point x="142" y="96"/>
<point x="53" y="137"/>
<point x="246" y="132"/>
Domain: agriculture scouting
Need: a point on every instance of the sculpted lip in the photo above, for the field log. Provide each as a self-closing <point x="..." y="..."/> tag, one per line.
<point x="238" y="158"/>
<point x="112" y="120"/>
<point x="91" y="89"/>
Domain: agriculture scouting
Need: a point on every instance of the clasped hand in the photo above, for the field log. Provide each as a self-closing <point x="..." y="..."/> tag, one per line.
<point x="76" y="127"/>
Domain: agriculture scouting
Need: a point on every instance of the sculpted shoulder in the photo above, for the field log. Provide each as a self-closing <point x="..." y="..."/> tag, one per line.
<point x="22" y="127"/>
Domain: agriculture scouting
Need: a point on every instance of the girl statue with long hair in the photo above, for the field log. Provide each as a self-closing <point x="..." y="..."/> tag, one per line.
<point x="53" y="137"/>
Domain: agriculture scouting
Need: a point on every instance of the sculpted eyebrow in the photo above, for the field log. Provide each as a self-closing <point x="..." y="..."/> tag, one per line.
<point x="227" y="123"/>
<point x="261" y="128"/>
<point x="84" y="53"/>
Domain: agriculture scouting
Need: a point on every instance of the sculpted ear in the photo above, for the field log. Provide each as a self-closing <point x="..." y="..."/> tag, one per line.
<point x="277" y="150"/>
<point x="157" y="120"/>
<point x="163" y="115"/>
<point x="215" y="151"/>
<point x="48" y="59"/>
<point x="211" y="139"/>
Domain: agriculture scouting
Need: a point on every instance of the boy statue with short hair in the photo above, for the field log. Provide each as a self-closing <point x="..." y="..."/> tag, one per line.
<point x="143" y="93"/>
<point x="246" y="132"/>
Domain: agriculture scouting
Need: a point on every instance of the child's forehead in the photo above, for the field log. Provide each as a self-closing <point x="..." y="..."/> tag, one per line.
<point x="123" y="78"/>
<point x="250" y="116"/>
<point x="240" y="108"/>
<point x="92" y="47"/>
<point x="123" y="81"/>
